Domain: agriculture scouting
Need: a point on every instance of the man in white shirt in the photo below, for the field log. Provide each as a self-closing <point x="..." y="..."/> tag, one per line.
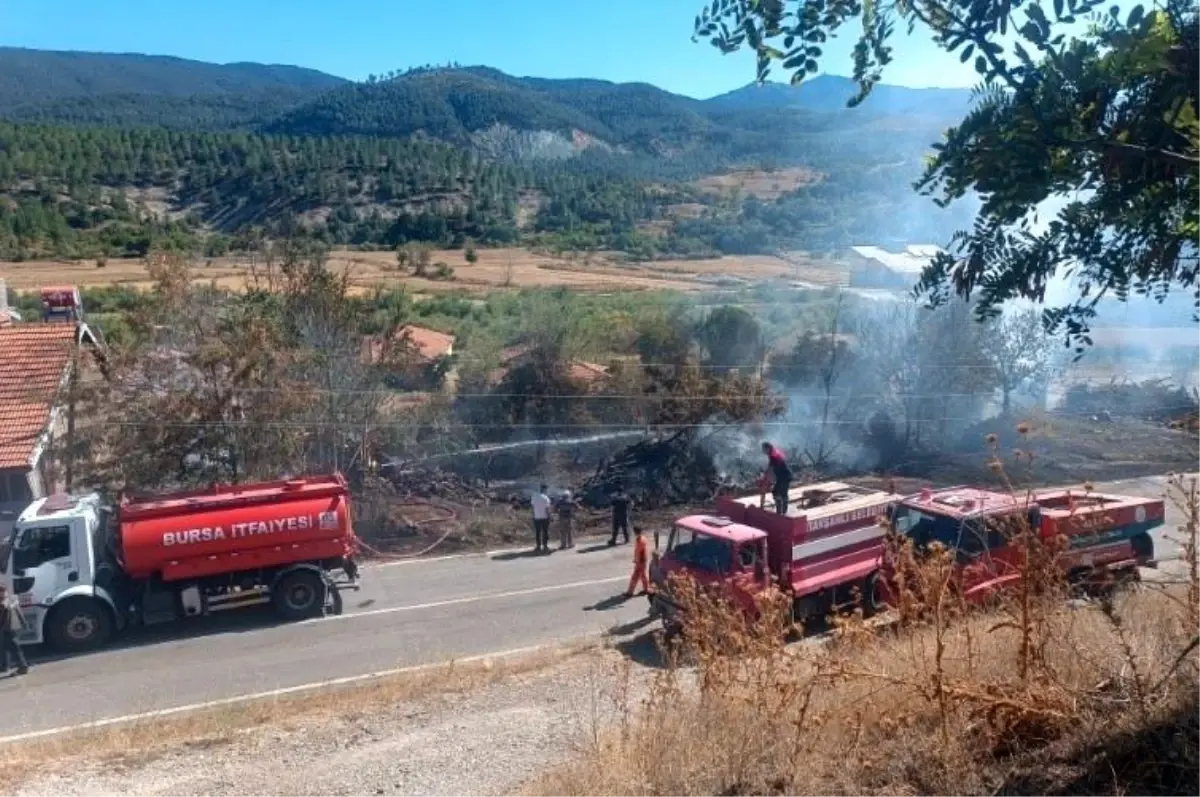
<point x="541" y="519"/>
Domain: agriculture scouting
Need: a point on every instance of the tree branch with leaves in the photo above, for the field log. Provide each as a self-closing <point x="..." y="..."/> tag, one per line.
<point x="1100" y="120"/>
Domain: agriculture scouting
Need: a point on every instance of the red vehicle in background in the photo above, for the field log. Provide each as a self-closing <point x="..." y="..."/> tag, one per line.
<point x="1107" y="537"/>
<point x="828" y="546"/>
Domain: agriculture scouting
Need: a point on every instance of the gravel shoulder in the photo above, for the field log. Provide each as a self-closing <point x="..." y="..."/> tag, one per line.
<point x="485" y="736"/>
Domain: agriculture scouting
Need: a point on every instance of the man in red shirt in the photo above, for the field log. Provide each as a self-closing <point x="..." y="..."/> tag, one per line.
<point x="777" y="468"/>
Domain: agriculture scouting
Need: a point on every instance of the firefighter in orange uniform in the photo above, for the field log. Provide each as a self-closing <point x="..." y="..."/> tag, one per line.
<point x="641" y="561"/>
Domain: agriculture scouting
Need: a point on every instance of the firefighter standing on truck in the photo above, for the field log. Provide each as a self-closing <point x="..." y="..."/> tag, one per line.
<point x="778" y="469"/>
<point x="641" y="561"/>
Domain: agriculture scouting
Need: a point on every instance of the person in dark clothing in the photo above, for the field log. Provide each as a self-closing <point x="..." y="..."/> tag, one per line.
<point x="566" y="520"/>
<point x="12" y="623"/>
<point x="620" y="514"/>
<point x="777" y="468"/>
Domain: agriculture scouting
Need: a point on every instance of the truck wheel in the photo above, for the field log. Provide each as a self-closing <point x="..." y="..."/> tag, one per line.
<point x="77" y="625"/>
<point x="299" y="595"/>
<point x="872" y="599"/>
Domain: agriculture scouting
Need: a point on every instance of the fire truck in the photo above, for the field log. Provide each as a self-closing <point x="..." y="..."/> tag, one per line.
<point x="828" y="552"/>
<point x="1106" y="537"/>
<point x="83" y="571"/>
<point x="827" y="547"/>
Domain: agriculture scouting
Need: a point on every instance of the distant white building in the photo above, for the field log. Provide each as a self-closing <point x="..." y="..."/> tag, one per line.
<point x="873" y="267"/>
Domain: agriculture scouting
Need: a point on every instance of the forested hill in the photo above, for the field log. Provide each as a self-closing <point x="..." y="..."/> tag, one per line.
<point x="462" y="105"/>
<point x="149" y="90"/>
<point x="827" y="93"/>
<point x="454" y="104"/>
<point x="108" y="155"/>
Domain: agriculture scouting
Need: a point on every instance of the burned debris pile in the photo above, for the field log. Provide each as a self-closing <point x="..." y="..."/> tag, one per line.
<point x="1153" y="400"/>
<point x="415" y="481"/>
<point x="656" y="473"/>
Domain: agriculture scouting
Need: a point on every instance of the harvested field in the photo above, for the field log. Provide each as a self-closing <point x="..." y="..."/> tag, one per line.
<point x="765" y="185"/>
<point x="796" y="266"/>
<point x="496" y="269"/>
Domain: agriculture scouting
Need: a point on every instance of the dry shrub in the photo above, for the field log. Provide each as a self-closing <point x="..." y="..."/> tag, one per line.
<point x="1034" y="694"/>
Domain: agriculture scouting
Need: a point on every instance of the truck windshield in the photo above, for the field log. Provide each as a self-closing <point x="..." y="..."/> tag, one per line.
<point x="36" y="545"/>
<point x="711" y="554"/>
<point x="925" y="528"/>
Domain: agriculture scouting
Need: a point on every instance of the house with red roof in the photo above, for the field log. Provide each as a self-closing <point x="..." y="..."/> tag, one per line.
<point x="586" y="373"/>
<point x="429" y="345"/>
<point x="36" y="364"/>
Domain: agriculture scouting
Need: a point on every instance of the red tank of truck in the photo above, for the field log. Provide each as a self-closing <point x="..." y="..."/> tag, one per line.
<point x="236" y="528"/>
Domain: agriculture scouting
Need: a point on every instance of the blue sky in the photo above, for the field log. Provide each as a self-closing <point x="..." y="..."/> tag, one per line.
<point x="620" y="40"/>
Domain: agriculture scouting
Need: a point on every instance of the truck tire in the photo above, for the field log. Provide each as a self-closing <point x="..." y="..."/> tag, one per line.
<point x="1143" y="546"/>
<point x="299" y="595"/>
<point x="77" y="625"/>
<point x="872" y="601"/>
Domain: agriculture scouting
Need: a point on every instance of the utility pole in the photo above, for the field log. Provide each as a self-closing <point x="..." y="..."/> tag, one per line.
<point x="72" y="394"/>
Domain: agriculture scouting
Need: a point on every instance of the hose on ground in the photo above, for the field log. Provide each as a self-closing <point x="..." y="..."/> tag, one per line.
<point x="450" y="515"/>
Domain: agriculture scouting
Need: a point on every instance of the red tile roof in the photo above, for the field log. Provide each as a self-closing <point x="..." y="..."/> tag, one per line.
<point x="428" y="343"/>
<point x="584" y="371"/>
<point x="578" y="370"/>
<point x="33" y="360"/>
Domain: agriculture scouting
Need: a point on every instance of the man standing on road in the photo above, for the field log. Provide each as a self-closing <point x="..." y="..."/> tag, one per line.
<point x="620" y="514"/>
<point x="541" y="520"/>
<point x="641" y="561"/>
<point x="566" y="521"/>
<point x="12" y="623"/>
<point x="777" y="468"/>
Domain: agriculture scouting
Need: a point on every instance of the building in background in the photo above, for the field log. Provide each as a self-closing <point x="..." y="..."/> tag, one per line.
<point x="37" y="361"/>
<point x="874" y="267"/>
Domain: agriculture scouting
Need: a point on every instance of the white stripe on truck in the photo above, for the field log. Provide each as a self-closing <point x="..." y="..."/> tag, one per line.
<point x="836" y="541"/>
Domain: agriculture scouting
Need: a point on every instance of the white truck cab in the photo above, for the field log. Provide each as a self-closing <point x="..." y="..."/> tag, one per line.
<point x="51" y="562"/>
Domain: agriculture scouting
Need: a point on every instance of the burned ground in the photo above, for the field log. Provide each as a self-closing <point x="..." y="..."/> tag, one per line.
<point x="458" y="510"/>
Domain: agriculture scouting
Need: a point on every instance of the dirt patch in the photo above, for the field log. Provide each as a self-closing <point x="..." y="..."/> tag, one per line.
<point x="791" y="266"/>
<point x="767" y="186"/>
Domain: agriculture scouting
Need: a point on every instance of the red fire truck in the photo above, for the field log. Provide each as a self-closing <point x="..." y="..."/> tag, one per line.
<point x="831" y="545"/>
<point x="827" y="546"/>
<point x="1107" y="537"/>
<point x="83" y="571"/>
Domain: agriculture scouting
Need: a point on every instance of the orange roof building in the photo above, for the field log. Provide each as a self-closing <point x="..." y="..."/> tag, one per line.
<point x="582" y="371"/>
<point x="429" y="344"/>
<point x="35" y="363"/>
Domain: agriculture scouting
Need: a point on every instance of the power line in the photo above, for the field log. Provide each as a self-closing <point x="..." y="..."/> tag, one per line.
<point x="388" y="393"/>
<point x="359" y="425"/>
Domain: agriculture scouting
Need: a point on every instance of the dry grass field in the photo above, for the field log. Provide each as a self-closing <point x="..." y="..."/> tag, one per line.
<point x="767" y="186"/>
<point x="496" y="269"/>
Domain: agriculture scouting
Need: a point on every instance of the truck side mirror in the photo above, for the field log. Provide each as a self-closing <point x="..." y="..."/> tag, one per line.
<point x="760" y="570"/>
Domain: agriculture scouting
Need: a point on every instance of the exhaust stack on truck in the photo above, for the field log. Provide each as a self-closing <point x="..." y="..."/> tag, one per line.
<point x="83" y="572"/>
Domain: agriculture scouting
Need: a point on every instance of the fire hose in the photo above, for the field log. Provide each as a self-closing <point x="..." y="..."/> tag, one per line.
<point x="450" y="515"/>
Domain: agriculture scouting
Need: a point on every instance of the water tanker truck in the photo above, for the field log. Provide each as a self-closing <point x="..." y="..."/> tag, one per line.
<point x="83" y="571"/>
<point x="1106" y="537"/>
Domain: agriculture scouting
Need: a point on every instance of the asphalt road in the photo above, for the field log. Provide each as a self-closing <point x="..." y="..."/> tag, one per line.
<point x="408" y="613"/>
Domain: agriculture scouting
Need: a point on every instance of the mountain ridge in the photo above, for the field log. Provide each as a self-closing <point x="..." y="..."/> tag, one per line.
<point x="448" y="103"/>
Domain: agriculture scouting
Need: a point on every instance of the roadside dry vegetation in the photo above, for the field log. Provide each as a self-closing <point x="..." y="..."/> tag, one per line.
<point x="1035" y="696"/>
